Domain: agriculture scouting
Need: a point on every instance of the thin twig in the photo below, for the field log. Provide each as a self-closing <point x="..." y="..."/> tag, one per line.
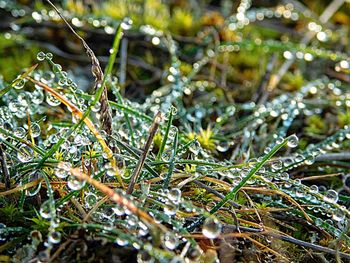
<point x="144" y="154"/>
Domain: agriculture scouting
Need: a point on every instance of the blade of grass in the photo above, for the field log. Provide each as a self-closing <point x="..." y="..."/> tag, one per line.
<point x="17" y="80"/>
<point x="166" y="134"/>
<point x="242" y="183"/>
<point x="251" y="173"/>
<point x="171" y="162"/>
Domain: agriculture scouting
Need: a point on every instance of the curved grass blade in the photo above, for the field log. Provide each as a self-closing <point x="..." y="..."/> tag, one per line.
<point x="242" y="183"/>
<point x="17" y="80"/>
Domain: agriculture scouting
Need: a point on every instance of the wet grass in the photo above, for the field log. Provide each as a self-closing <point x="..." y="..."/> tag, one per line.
<point x="223" y="160"/>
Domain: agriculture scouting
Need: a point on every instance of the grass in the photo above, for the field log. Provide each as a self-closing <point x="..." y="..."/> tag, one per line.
<point x="211" y="148"/>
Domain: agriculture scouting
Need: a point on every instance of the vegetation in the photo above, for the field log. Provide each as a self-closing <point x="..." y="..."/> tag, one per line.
<point x="174" y="131"/>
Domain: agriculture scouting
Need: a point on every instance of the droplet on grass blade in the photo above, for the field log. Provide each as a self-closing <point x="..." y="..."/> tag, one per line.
<point x="293" y="141"/>
<point x="41" y="56"/>
<point x="126" y="23"/>
<point x="331" y="196"/>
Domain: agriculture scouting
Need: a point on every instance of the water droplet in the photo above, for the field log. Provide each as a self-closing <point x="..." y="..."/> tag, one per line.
<point x="54" y="237"/>
<point x="314" y="189"/>
<point x="126" y="23"/>
<point x="121" y="242"/>
<point x="110" y="171"/>
<point x="51" y="100"/>
<point x="56" y="68"/>
<point x="223" y="146"/>
<point x="75" y="184"/>
<point x="62" y="170"/>
<point x="309" y="161"/>
<point x="20" y="84"/>
<point x="35" y="129"/>
<point x="45" y="209"/>
<point x="211" y="228"/>
<point x="41" y="56"/>
<point x="175" y="195"/>
<point x="338" y="215"/>
<point x="155" y="41"/>
<point x="34" y="190"/>
<point x="37" y="96"/>
<point x="49" y="56"/>
<point x="96" y="107"/>
<point x="284" y="176"/>
<point x="331" y="196"/>
<point x="170" y="240"/>
<point x="90" y="200"/>
<point x="170" y="208"/>
<point x="293" y="141"/>
<point x="25" y="153"/>
<point x="299" y="193"/>
<point x="277" y="165"/>
<point x="20" y="132"/>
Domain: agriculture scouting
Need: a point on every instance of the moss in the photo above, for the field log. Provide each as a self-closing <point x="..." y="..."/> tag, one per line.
<point x="316" y="125"/>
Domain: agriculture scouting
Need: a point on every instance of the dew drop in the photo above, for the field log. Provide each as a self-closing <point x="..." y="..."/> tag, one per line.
<point x="338" y="215"/>
<point x="170" y="240"/>
<point x="25" y="153"/>
<point x="211" y="228"/>
<point x="57" y="68"/>
<point x="170" y="208"/>
<point x="96" y="107"/>
<point x="110" y="171"/>
<point x="51" y="100"/>
<point x="121" y="242"/>
<point x="45" y="209"/>
<point x="118" y="210"/>
<point x="61" y="172"/>
<point x="223" y="146"/>
<point x="49" y="56"/>
<point x="35" y="129"/>
<point x="90" y="200"/>
<point x="293" y="141"/>
<point x="54" y="237"/>
<point x="20" y="132"/>
<point x="20" y="84"/>
<point x="34" y="190"/>
<point x="74" y="184"/>
<point x="175" y="195"/>
<point x="41" y="56"/>
<point x="314" y="189"/>
<point x="126" y="23"/>
<point x="331" y="196"/>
